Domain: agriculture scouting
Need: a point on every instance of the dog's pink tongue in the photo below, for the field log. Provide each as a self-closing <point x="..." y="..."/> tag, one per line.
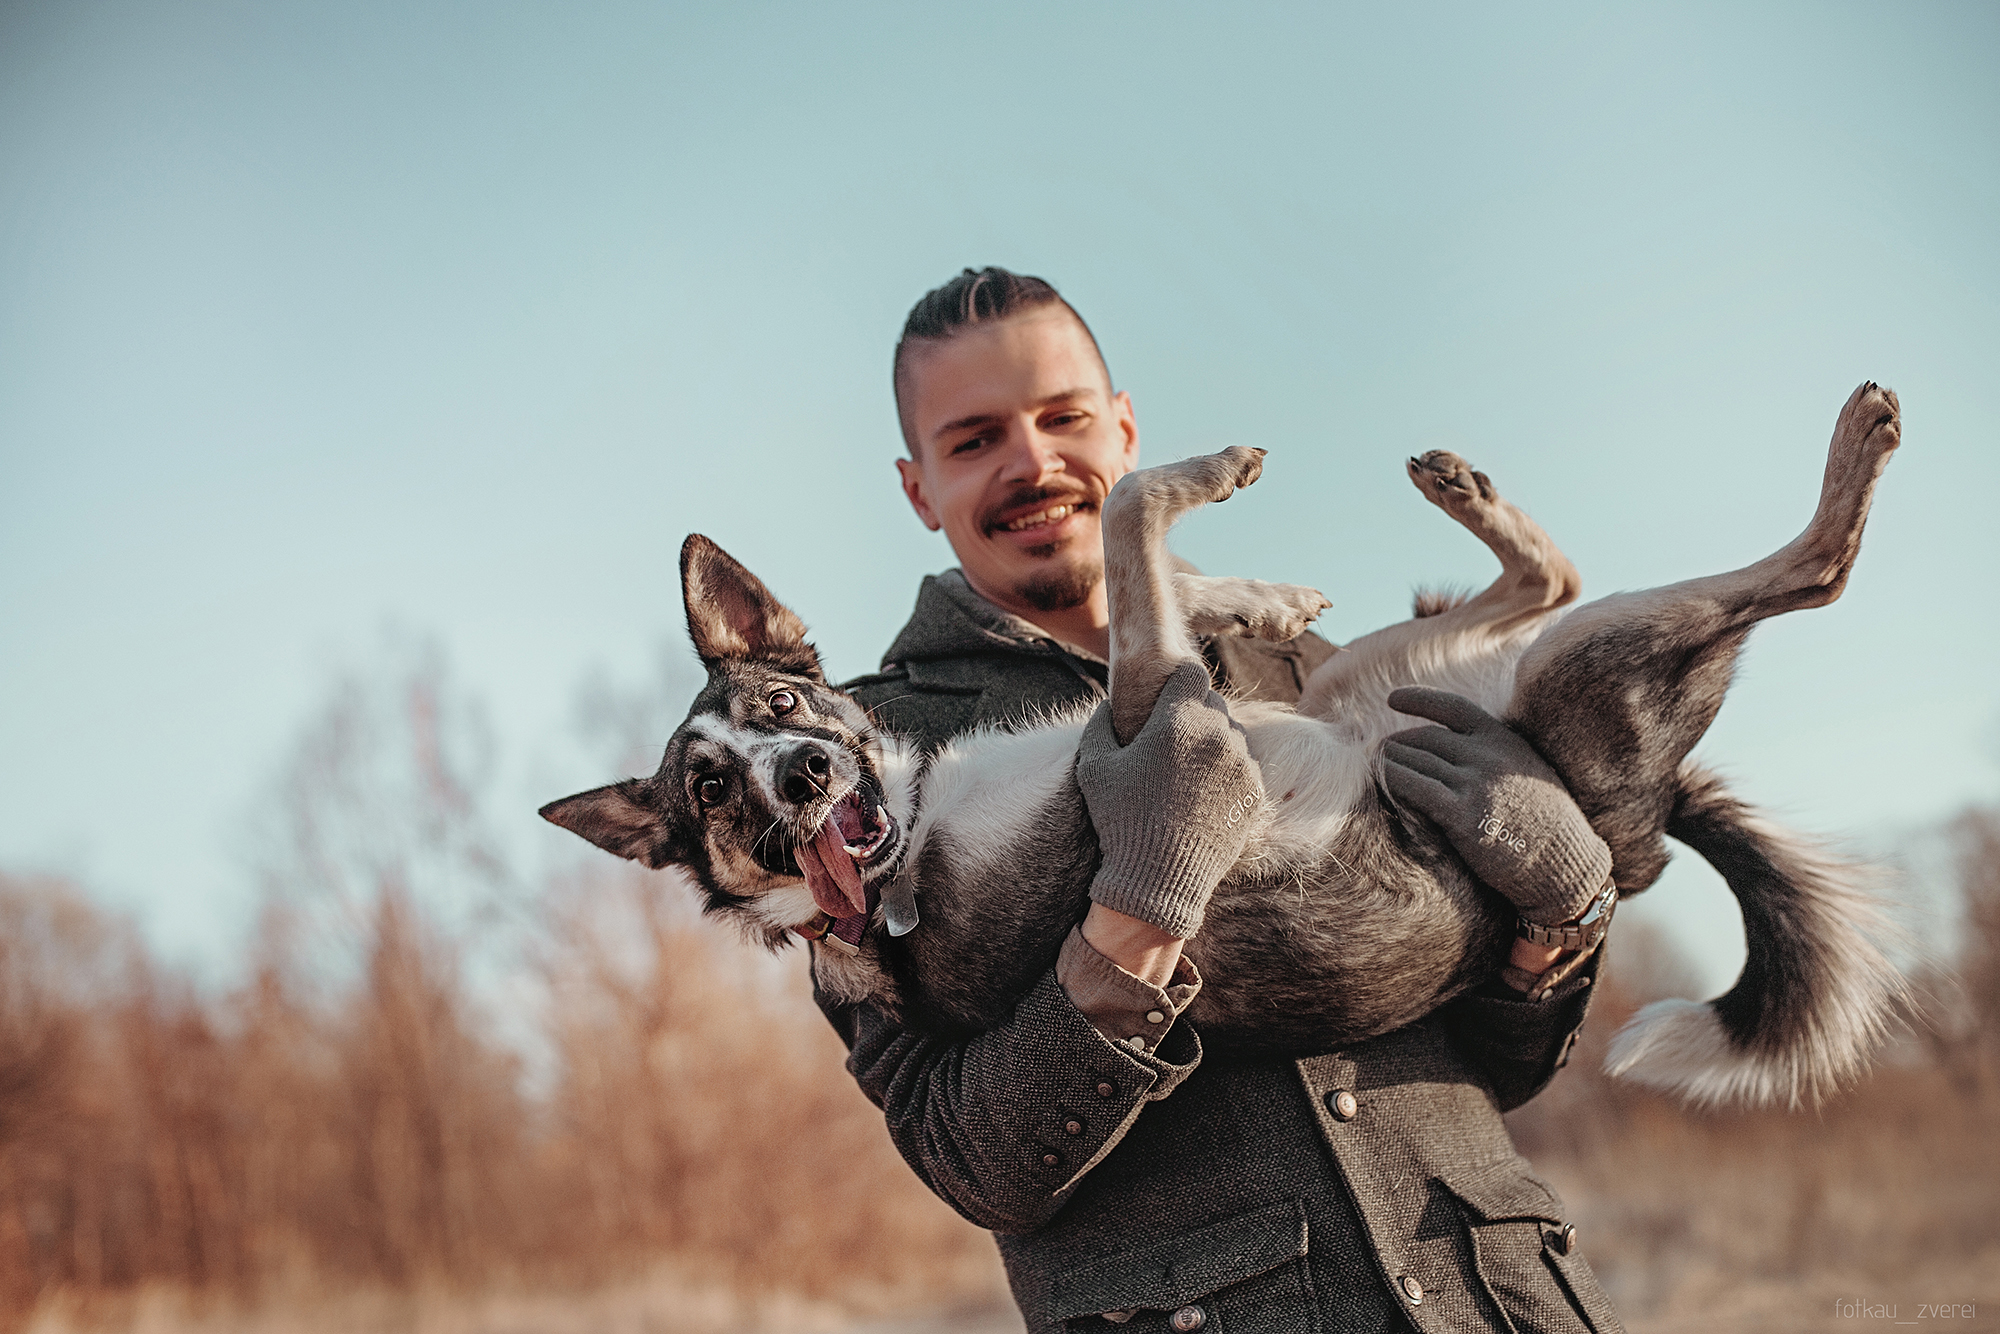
<point x="831" y="874"/>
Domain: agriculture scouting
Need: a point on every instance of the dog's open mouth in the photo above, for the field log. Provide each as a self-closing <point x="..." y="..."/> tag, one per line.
<point x="856" y="833"/>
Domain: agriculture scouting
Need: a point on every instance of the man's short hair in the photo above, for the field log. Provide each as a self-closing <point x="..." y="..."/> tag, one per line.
<point x="976" y="296"/>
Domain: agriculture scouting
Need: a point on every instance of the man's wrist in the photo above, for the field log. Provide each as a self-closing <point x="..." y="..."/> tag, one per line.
<point x="1580" y="932"/>
<point x="1124" y="1009"/>
<point x="1532" y="958"/>
<point x="1139" y="947"/>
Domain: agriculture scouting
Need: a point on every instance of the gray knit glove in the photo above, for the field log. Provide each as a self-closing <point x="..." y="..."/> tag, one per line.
<point x="1502" y="807"/>
<point x="1173" y="810"/>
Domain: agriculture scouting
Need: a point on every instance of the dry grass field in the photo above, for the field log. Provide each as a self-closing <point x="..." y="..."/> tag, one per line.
<point x="350" y="1139"/>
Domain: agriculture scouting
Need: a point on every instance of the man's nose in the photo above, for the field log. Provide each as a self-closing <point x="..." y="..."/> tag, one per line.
<point x="803" y="774"/>
<point x="1034" y="458"/>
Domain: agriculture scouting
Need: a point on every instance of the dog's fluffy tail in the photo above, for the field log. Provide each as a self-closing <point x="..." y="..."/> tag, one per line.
<point x="1816" y="995"/>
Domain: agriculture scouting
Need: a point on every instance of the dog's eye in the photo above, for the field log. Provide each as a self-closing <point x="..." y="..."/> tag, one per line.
<point x="710" y="790"/>
<point x="783" y="702"/>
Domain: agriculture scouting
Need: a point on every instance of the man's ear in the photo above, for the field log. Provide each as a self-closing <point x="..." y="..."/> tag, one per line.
<point x="617" y="819"/>
<point x="1128" y="426"/>
<point x="732" y="615"/>
<point x="913" y="487"/>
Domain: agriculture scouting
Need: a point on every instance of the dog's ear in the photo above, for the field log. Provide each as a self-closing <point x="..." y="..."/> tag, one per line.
<point x="732" y="615"/>
<point x="618" y="819"/>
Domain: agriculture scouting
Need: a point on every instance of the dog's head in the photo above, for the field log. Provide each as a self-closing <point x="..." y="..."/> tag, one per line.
<point x="771" y="794"/>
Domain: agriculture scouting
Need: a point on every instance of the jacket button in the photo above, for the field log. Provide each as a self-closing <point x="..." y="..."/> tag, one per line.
<point x="1411" y="1289"/>
<point x="1105" y="1090"/>
<point x="1344" y="1105"/>
<point x="1051" y="1160"/>
<point x="1072" y="1127"/>
<point x="1188" y="1319"/>
<point x="1564" y="1241"/>
<point x="1155" y="1017"/>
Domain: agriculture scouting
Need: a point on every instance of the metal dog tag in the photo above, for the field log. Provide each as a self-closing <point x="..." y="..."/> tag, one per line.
<point x="899" y="906"/>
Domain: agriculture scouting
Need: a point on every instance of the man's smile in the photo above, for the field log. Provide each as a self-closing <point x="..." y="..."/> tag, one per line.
<point x="1040" y="517"/>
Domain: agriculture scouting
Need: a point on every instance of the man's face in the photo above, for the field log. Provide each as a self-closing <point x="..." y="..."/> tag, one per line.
<point x="1018" y="438"/>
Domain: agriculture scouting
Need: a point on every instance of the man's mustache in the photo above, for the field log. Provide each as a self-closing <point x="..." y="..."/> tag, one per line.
<point x="1028" y="500"/>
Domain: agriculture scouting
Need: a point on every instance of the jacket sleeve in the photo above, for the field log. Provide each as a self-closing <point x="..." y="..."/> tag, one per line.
<point x="1517" y="1043"/>
<point x="1003" y="1125"/>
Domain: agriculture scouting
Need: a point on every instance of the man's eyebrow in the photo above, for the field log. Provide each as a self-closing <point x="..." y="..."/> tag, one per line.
<point x="988" y="418"/>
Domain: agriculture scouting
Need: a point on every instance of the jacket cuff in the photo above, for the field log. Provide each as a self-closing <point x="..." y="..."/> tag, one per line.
<point x="1518" y="1043"/>
<point x="1122" y="1007"/>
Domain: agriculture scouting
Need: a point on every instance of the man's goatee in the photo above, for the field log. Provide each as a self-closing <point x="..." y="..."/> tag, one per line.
<point x="1062" y="589"/>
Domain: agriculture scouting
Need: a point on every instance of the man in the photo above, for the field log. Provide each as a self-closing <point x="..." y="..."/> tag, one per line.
<point x="1133" y="1182"/>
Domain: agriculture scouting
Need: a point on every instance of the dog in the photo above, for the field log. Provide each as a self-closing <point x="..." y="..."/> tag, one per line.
<point x="964" y="869"/>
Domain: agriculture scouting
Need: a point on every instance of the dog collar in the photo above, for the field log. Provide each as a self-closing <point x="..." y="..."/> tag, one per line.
<point x="840" y="933"/>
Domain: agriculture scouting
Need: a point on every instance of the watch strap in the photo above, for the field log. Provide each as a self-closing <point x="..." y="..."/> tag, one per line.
<point x="1582" y="931"/>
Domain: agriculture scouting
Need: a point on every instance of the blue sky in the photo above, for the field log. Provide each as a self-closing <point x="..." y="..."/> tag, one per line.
<point x="316" y="319"/>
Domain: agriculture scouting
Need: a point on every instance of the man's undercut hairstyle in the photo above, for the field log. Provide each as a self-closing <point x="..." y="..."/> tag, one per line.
<point x="976" y="296"/>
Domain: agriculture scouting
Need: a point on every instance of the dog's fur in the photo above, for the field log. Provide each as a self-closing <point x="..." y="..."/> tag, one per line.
<point x="1346" y="917"/>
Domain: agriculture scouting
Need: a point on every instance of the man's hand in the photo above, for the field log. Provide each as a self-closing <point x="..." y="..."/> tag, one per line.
<point x="1502" y="807"/>
<point x="1173" y="810"/>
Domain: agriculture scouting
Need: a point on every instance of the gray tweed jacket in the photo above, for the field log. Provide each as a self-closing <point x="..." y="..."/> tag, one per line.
<point x="1373" y="1188"/>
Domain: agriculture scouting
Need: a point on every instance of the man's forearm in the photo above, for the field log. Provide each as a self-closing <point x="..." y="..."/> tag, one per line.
<point x="1144" y="950"/>
<point x="1140" y="948"/>
<point x="1002" y="1125"/>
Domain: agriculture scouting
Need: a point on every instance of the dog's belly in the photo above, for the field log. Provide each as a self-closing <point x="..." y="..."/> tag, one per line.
<point x="1340" y="922"/>
<point x="1001" y="858"/>
<point x="1343" y="920"/>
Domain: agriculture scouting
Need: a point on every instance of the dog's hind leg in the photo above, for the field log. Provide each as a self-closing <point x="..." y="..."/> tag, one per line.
<point x="1616" y="696"/>
<point x="1535" y="579"/>
<point x="1617" y="693"/>
<point x="1149" y="630"/>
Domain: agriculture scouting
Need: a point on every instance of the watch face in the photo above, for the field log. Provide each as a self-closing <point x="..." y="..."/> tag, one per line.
<point x="1599" y="906"/>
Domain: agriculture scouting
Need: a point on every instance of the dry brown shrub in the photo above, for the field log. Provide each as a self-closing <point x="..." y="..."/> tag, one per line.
<point x="377" y="1140"/>
<point x="704" y="1105"/>
<point x="1688" y="1216"/>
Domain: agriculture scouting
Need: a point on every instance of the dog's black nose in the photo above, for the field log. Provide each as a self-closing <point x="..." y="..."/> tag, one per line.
<point x="804" y="774"/>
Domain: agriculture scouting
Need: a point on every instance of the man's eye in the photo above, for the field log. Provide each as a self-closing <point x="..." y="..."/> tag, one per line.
<point x="783" y="702"/>
<point x="967" y="446"/>
<point x="1065" y="419"/>
<point x="710" y="790"/>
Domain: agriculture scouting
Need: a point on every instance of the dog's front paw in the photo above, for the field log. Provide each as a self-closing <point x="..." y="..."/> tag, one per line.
<point x="1223" y="473"/>
<point x="1226" y="606"/>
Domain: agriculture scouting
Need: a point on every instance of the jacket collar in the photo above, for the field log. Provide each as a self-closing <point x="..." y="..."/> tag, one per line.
<point x="952" y="621"/>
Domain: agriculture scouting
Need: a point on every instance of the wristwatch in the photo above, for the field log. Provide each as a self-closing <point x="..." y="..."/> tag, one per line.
<point x="1579" y="932"/>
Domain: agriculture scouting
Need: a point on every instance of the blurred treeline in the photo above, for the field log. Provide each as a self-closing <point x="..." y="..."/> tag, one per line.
<point x="439" y="1077"/>
<point x="1760" y="1220"/>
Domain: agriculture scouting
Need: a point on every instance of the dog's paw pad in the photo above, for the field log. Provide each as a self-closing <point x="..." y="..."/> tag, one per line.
<point x="1448" y="481"/>
<point x="1871" y="422"/>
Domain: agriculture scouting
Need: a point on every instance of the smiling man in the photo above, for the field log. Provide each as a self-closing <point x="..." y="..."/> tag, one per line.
<point x="1015" y="438"/>
<point x="1134" y="1184"/>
